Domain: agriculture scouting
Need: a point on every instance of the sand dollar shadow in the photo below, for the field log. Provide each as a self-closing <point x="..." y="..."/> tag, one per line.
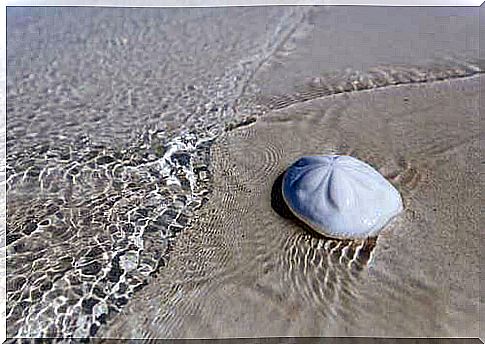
<point x="277" y="201"/>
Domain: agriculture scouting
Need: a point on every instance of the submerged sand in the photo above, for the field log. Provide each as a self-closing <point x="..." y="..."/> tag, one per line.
<point x="244" y="270"/>
<point x="110" y="156"/>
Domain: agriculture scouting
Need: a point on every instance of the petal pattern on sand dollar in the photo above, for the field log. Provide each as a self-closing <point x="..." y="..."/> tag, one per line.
<point x="340" y="196"/>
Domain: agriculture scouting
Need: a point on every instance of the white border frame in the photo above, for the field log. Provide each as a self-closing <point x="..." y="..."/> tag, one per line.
<point x="143" y="3"/>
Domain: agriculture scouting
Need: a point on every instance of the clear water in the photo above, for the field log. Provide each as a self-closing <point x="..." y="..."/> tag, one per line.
<point x="111" y="115"/>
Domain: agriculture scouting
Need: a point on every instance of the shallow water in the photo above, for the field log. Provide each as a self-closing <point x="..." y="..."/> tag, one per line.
<point x="109" y="121"/>
<point x="112" y="122"/>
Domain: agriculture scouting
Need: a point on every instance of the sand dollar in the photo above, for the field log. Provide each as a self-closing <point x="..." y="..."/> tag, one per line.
<point x="340" y="196"/>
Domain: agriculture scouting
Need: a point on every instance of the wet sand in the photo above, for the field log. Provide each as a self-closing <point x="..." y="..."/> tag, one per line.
<point x="153" y="222"/>
<point x="247" y="269"/>
<point x="243" y="270"/>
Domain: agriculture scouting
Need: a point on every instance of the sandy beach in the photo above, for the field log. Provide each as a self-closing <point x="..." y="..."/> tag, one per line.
<point x="248" y="272"/>
<point x="183" y="227"/>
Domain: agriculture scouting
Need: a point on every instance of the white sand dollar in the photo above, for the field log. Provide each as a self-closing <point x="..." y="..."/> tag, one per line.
<point x="340" y="196"/>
